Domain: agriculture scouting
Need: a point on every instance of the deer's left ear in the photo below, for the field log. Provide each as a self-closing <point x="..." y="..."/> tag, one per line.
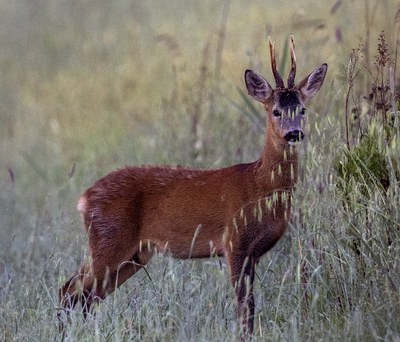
<point x="313" y="82"/>
<point x="257" y="86"/>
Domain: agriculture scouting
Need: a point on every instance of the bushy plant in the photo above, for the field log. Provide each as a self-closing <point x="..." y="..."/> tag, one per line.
<point x="363" y="167"/>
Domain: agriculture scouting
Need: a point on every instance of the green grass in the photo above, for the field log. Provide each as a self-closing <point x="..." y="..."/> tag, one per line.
<point x="89" y="87"/>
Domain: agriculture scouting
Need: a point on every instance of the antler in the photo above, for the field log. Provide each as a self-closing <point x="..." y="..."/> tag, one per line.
<point x="292" y="73"/>
<point x="278" y="78"/>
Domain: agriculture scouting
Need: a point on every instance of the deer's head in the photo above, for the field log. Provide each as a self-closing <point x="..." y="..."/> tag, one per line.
<point x="285" y="106"/>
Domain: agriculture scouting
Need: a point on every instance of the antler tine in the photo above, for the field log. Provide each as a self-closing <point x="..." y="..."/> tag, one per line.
<point x="292" y="73"/>
<point x="278" y="78"/>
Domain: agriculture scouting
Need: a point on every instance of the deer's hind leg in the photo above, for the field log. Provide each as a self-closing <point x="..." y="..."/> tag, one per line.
<point x="96" y="280"/>
<point x="76" y="288"/>
<point x="124" y="271"/>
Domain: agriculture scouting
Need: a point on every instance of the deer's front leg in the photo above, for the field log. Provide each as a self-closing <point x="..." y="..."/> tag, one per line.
<point x="242" y="277"/>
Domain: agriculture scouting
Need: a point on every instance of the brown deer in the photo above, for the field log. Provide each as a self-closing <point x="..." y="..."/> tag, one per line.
<point x="239" y="212"/>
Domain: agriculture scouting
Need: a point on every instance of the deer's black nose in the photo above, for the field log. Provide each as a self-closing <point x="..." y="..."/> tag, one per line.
<point x="294" y="136"/>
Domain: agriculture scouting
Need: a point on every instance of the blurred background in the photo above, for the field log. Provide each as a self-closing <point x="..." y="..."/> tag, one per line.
<point x="89" y="86"/>
<point x="94" y="85"/>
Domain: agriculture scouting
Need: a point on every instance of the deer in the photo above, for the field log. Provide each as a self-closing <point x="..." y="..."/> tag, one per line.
<point x="237" y="212"/>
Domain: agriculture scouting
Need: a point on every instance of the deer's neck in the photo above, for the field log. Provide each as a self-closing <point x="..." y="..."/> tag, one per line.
<point x="277" y="167"/>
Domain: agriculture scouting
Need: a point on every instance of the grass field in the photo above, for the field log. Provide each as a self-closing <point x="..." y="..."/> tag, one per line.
<point x="90" y="86"/>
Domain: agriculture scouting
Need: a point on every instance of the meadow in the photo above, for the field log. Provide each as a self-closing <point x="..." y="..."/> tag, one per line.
<point x="90" y="86"/>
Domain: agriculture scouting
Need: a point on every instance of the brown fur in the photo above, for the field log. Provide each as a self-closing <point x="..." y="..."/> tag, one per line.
<point x="239" y="212"/>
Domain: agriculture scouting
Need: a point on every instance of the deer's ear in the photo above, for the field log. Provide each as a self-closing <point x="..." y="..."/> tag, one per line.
<point x="257" y="86"/>
<point x="313" y="82"/>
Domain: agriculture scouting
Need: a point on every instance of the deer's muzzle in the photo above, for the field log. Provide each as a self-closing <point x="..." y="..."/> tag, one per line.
<point x="294" y="136"/>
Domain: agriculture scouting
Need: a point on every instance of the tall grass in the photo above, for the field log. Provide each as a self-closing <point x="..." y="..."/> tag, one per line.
<point x="87" y="87"/>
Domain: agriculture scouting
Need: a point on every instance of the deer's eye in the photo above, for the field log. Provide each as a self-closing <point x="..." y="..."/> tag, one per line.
<point x="276" y="113"/>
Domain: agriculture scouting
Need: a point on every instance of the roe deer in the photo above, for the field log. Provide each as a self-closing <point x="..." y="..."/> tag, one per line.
<point x="239" y="212"/>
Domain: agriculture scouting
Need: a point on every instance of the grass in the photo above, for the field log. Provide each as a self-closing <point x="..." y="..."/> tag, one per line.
<point x="87" y="88"/>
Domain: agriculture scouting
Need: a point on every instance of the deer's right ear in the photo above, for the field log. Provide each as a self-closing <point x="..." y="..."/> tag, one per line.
<point x="257" y="86"/>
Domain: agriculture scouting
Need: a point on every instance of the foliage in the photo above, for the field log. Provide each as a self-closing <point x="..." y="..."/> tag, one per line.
<point x="364" y="168"/>
<point x="368" y="171"/>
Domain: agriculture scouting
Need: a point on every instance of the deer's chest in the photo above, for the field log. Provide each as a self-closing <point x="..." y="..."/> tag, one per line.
<point x="261" y="225"/>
